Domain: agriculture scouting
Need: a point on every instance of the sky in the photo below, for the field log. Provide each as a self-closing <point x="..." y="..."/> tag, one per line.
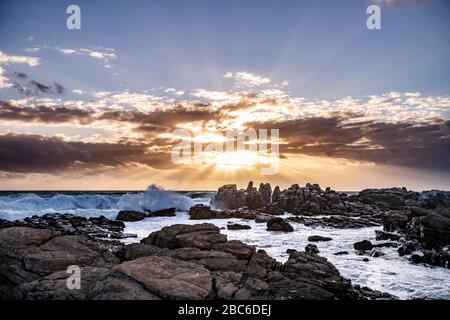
<point x="98" y="108"/>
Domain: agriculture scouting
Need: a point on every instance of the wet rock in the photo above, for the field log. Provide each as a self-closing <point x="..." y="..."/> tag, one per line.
<point x="229" y="197"/>
<point x="266" y="192"/>
<point x="68" y="224"/>
<point x="364" y="245"/>
<point x="131" y="216"/>
<point x="382" y="235"/>
<point x="317" y="238"/>
<point x="170" y="212"/>
<point x="338" y="222"/>
<point x="279" y="224"/>
<point x="341" y="253"/>
<point x="376" y="253"/>
<point x="237" y="226"/>
<point x="201" y="211"/>
<point x="366" y="260"/>
<point x="311" y="248"/>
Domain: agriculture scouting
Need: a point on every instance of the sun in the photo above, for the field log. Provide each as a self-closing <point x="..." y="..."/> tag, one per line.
<point x="236" y="160"/>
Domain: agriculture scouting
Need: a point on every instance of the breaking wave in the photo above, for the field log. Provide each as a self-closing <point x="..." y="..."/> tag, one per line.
<point x="20" y="205"/>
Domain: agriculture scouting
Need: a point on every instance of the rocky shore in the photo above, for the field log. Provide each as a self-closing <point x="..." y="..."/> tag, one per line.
<point x="198" y="262"/>
<point x="177" y="262"/>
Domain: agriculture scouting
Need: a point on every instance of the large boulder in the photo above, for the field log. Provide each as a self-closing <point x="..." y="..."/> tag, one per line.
<point x="27" y="254"/>
<point x="228" y="197"/>
<point x="155" y="277"/>
<point x="279" y="224"/>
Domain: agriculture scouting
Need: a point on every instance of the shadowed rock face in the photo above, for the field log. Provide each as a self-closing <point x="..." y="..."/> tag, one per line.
<point x="177" y="262"/>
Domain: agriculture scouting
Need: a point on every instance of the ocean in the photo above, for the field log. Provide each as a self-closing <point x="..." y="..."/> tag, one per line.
<point x="389" y="273"/>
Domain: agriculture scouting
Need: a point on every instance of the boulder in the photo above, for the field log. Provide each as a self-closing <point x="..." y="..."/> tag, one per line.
<point x="155" y="277"/>
<point x="170" y="212"/>
<point x="311" y="248"/>
<point x="382" y="235"/>
<point x="237" y="226"/>
<point x="201" y="212"/>
<point x="318" y="238"/>
<point x="279" y="224"/>
<point x="363" y="245"/>
<point x="131" y="216"/>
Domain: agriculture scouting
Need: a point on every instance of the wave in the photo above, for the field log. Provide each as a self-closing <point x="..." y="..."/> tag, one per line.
<point x="20" y="205"/>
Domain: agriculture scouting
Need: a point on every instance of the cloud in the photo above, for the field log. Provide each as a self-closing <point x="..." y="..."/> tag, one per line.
<point x="44" y="114"/>
<point x="246" y="79"/>
<point x="34" y="153"/>
<point x="423" y="145"/>
<point x="8" y="59"/>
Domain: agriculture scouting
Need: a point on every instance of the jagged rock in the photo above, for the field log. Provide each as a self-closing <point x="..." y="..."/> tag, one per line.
<point x="131" y="216"/>
<point x="311" y="248"/>
<point x="69" y="224"/>
<point x="254" y="200"/>
<point x="276" y="194"/>
<point x="28" y="254"/>
<point x="266" y="192"/>
<point x="279" y="224"/>
<point x="228" y="197"/>
<point x="363" y="245"/>
<point x="176" y="262"/>
<point x="316" y="238"/>
<point x="237" y="226"/>
<point x="341" y="253"/>
<point x="273" y="210"/>
<point x="338" y="222"/>
<point x="382" y="235"/>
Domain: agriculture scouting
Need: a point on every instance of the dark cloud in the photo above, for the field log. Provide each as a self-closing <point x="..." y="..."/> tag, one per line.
<point x="33" y="87"/>
<point x="424" y="145"/>
<point x="165" y="118"/>
<point x="44" y="114"/>
<point x="33" y="153"/>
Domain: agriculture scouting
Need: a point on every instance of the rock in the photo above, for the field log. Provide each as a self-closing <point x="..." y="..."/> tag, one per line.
<point x="311" y="248"/>
<point x="276" y="194"/>
<point x="200" y="212"/>
<point x="376" y="253"/>
<point x="27" y="254"/>
<point x="250" y="187"/>
<point x="176" y="262"/>
<point x="237" y="226"/>
<point x="363" y="245"/>
<point x="279" y="224"/>
<point x="136" y="250"/>
<point x="254" y="200"/>
<point x="155" y="277"/>
<point x="341" y="253"/>
<point x="131" y="216"/>
<point x="266" y="192"/>
<point x="228" y="197"/>
<point x="170" y="212"/>
<point x="338" y="222"/>
<point x="69" y="224"/>
<point x="316" y="238"/>
<point x="366" y="260"/>
<point x="382" y="235"/>
<point x="203" y="236"/>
